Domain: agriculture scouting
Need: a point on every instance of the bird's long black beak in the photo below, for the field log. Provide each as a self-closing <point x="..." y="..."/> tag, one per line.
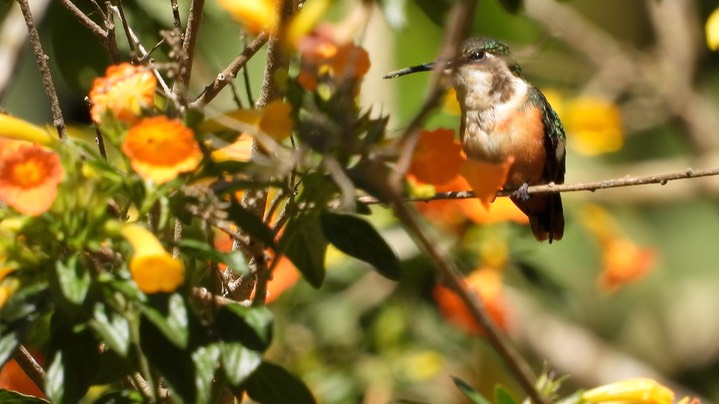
<point x="409" y="70"/>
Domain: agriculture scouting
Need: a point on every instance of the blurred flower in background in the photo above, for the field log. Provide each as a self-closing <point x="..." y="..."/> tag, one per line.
<point x="125" y="91"/>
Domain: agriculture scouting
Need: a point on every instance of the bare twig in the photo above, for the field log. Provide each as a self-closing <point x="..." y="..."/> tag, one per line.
<point x="176" y="19"/>
<point x="57" y="120"/>
<point x="459" y="24"/>
<point x="13" y="34"/>
<point x="106" y="36"/>
<point x="187" y="56"/>
<point x="586" y="186"/>
<point x="451" y="276"/>
<point x="229" y="73"/>
<point x="30" y="366"/>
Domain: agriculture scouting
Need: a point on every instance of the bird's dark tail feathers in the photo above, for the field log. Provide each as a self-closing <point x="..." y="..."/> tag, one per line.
<point x="546" y="215"/>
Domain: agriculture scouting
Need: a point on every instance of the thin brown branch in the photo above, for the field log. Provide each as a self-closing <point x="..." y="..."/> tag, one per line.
<point x="106" y="36"/>
<point x="229" y="73"/>
<point x="189" y="42"/>
<point x="30" y="366"/>
<point x="13" y="35"/>
<point x="176" y="19"/>
<point x="256" y="200"/>
<point x="627" y="181"/>
<point x="459" y="25"/>
<point x="57" y="120"/>
<point x="450" y="275"/>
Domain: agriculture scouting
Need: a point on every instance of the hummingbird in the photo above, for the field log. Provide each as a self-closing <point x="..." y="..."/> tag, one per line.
<point x="504" y="116"/>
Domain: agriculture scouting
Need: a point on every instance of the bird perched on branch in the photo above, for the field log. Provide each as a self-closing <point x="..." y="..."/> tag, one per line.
<point x="505" y="117"/>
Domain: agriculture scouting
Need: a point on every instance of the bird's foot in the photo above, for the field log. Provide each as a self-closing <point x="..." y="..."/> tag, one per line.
<point x="522" y="193"/>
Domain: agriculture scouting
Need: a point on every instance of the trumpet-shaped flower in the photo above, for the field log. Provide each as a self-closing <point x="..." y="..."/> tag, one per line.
<point x="595" y="125"/>
<point x="255" y="15"/>
<point x="153" y="269"/>
<point x="29" y="178"/>
<point x="160" y="148"/>
<point x="124" y="91"/>
<point x="639" y="391"/>
<point x="15" y="129"/>
<point x="712" y="30"/>
<point x="326" y="60"/>
<point x="487" y="284"/>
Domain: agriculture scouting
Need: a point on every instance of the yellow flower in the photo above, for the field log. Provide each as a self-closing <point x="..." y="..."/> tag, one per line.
<point x="28" y="179"/>
<point x="255" y="15"/>
<point x="274" y="120"/>
<point x="594" y="125"/>
<point x="125" y="91"/>
<point x="7" y="286"/>
<point x="712" y="30"/>
<point x="19" y="130"/>
<point x="635" y="391"/>
<point x="153" y="269"/>
<point x="160" y="148"/>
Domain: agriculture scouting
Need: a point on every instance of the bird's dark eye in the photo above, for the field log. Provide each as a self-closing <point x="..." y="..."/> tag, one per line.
<point x="477" y="55"/>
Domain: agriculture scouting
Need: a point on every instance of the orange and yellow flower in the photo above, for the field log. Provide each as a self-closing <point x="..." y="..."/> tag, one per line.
<point x="640" y="390"/>
<point x="124" y="91"/>
<point x="29" y="178"/>
<point x="255" y="15"/>
<point x="712" y="30"/>
<point x="324" y="59"/>
<point x="594" y="125"/>
<point x="153" y="269"/>
<point x="623" y="260"/>
<point x="487" y="284"/>
<point x="160" y="149"/>
<point x="439" y="161"/>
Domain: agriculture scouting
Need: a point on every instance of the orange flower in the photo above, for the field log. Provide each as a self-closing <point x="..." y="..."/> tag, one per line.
<point x="284" y="276"/>
<point x="594" y="124"/>
<point x="439" y="161"/>
<point x="12" y="377"/>
<point x="487" y="284"/>
<point x="255" y="15"/>
<point x="324" y="59"/>
<point x="437" y="158"/>
<point x="153" y="269"/>
<point x="160" y="148"/>
<point x="624" y="262"/>
<point x="125" y="91"/>
<point x="29" y="179"/>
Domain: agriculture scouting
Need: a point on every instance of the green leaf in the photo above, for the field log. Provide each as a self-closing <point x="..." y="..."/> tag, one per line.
<point x="469" y="391"/>
<point x="121" y="397"/>
<point x="357" y="238"/>
<point x="205" y="359"/>
<point x="202" y="250"/>
<point x="253" y="225"/>
<point x="238" y="362"/>
<point x="174" y="364"/>
<point x="304" y="244"/>
<point x="73" y="279"/>
<point x="503" y="396"/>
<point x="169" y="314"/>
<point x="26" y="304"/>
<point x="13" y="397"/>
<point x="74" y="359"/>
<point x="512" y="6"/>
<point x="435" y="10"/>
<point x="8" y="342"/>
<point x="114" y="329"/>
<point x="272" y="384"/>
<point x="251" y="326"/>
